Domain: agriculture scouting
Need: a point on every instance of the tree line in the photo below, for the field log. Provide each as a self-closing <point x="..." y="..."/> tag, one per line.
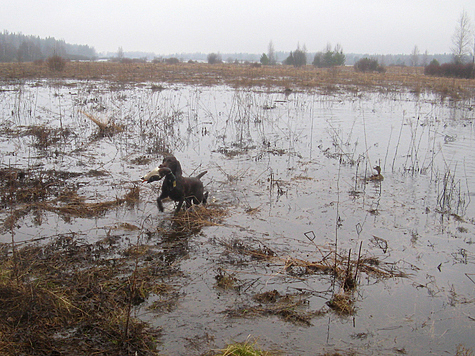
<point x="17" y="47"/>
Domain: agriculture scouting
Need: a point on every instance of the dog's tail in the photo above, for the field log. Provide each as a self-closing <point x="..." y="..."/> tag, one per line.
<point x="201" y="174"/>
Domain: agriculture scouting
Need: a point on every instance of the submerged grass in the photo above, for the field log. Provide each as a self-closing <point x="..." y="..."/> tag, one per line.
<point x="26" y="191"/>
<point x="344" y="272"/>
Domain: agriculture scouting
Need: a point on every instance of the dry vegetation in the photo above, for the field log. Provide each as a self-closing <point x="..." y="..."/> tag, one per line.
<point x="344" y="272"/>
<point x="68" y="298"/>
<point x="247" y="76"/>
<point x="36" y="191"/>
<point x="71" y="297"/>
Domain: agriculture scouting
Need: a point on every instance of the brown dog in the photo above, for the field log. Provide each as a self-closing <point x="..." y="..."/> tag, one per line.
<point x="176" y="187"/>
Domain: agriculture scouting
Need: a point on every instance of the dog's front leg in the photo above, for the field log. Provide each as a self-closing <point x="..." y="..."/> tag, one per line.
<point x="159" y="204"/>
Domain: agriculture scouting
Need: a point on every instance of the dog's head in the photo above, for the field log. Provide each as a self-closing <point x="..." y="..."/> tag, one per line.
<point x="172" y="163"/>
<point x="157" y="174"/>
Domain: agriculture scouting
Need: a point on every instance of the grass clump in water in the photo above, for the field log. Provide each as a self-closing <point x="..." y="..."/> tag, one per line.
<point x="247" y="348"/>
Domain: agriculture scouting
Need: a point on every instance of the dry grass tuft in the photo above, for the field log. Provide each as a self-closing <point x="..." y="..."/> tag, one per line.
<point x="247" y="348"/>
<point x="342" y="304"/>
<point x="289" y="308"/>
<point x="463" y="351"/>
<point x="225" y="280"/>
<point x="198" y="216"/>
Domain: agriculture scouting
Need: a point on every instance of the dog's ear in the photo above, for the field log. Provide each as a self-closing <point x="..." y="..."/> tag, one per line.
<point x="164" y="171"/>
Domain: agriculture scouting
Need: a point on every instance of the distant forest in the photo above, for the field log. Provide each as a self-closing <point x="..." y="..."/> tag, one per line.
<point x="351" y="58"/>
<point x="16" y="47"/>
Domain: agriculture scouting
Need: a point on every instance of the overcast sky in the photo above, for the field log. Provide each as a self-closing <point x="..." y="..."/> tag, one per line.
<point x="229" y="26"/>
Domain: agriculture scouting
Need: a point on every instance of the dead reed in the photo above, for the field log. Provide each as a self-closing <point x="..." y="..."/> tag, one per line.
<point x="451" y="195"/>
<point x="68" y="301"/>
<point x="106" y="127"/>
<point x="197" y="217"/>
<point x="345" y="272"/>
<point x="309" y="77"/>
<point x="26" y="191"/>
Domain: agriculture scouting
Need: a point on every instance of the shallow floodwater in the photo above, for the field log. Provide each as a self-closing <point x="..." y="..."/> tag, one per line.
<point x="290" y="170"/>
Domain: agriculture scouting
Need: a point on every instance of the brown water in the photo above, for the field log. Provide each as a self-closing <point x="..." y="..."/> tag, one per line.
<point x="288" y="168"/>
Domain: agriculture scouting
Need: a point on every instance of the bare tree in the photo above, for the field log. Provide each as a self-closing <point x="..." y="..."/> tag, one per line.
<point x="415" y="56"/>
<point x="425" y="58"/>
<point x="120" y="54"/>
<point x="462" y="38"/>
<point x="271" y="54"/>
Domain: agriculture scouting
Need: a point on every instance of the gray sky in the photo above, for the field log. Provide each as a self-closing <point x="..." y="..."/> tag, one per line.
<point x="227" y="26"/>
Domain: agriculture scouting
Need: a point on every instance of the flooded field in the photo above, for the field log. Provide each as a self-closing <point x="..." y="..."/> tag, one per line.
<point x="298" y="248"/>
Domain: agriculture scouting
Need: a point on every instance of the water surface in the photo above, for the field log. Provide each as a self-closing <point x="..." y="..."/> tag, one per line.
<point x="290" y="170"/>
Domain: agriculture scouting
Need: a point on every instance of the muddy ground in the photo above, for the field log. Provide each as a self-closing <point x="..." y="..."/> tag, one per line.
<point x="302" y="245"/>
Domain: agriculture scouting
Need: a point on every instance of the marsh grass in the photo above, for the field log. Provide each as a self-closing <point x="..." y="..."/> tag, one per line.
<point x="68" y="301"/>
<point x="344" y="274"/>
<point x="198" y="216"/>
<point x="37" y="191"/>
<point x="226" y="281"/>
<point x="451" y="196"/>
<point x="463" y="351"/>
<point x="343" y="304"/>
<point x="304" y="78"/>
<point x="246" y="348"/>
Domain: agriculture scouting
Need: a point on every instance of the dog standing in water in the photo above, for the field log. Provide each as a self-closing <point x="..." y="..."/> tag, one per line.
<point x="176" y="187"/>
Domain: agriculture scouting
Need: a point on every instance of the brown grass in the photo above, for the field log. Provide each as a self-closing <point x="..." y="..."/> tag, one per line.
<point x="342" y="304"/>
<point x="309" y="77"/>
<point x="197" y="217"/>
<point x="61" y="299"/>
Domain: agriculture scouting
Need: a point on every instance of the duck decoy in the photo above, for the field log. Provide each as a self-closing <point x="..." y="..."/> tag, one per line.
<point x="376" y="177"/>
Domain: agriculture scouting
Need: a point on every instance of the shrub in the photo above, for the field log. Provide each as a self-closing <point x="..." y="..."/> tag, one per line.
<point x="369" y="65"/>
<point x="455" y="70"/>
<point x="433" y="68"/>
<point x="172" y="60"/>
<point x="214" y="58"/>
<point x="56" y="63"/>
<point x="289" y="61"/>
<point x="126" y="60"/>
<point x="298" y="58"/>
<point x="264" y="59"/>
<point x="329" y="58"/>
